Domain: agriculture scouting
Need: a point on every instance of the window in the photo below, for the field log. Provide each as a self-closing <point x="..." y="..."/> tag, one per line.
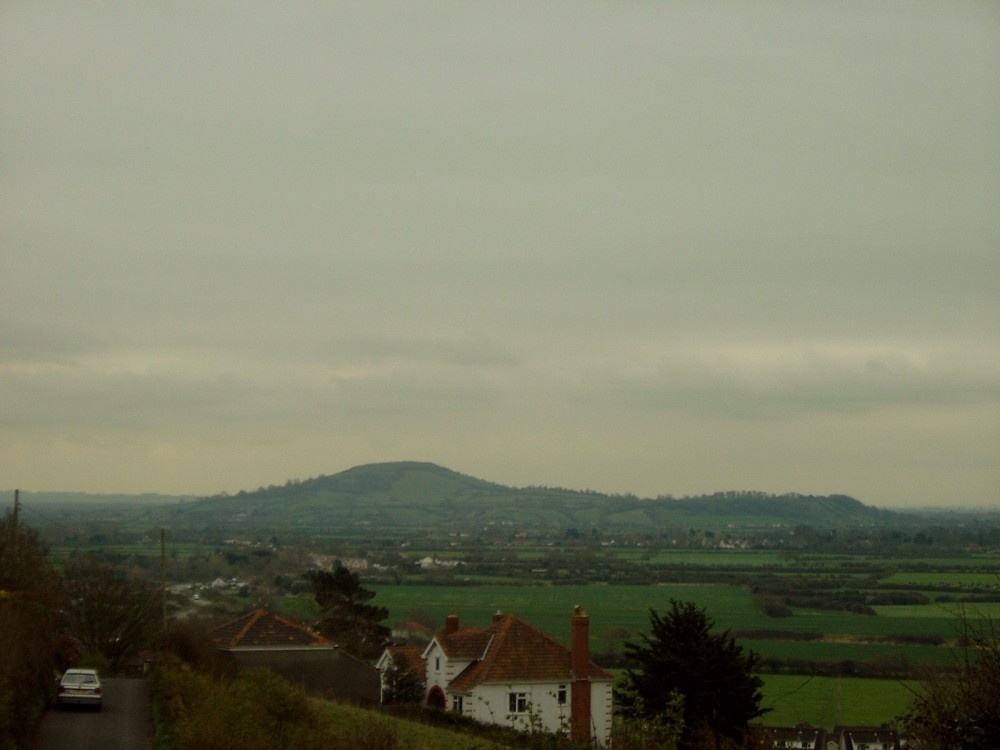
<point x="518" y="702"/>
<point x="561" y="695"/>
<point x="437" y="663"/>
<point x="456" y="703"/>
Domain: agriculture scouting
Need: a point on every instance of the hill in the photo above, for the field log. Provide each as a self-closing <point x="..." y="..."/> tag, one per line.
<point x="424" y="495"/>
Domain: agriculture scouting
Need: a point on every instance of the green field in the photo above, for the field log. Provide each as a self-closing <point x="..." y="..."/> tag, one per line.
<point x="847" y="637"/>
<point x="550" y="607"/>
<point x="828" y="701"/>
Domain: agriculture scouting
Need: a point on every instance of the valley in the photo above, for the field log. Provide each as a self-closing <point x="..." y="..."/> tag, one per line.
<point x="835" y="598"/>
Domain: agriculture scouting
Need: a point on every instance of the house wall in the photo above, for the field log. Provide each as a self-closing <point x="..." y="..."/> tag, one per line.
<point x="440" y="669"/>
<point x="490" y="704"/>
<point x="601" y="710"/>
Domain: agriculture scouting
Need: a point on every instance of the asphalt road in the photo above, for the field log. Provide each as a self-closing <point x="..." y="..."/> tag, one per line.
<point x="124" y="723"/>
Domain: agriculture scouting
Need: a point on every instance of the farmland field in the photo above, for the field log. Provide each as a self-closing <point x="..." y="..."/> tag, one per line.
<point x="550" y="607"/>
<point x="846" y="636"/>
<point x="828" y="701"/>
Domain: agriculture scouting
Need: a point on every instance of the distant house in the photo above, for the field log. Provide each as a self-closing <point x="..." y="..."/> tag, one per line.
<point x="807" y="737"/>
<point x="863" y="738"/>
<point x="513" y="674"/>
<point x="412" y="631"/>
<point x="297" y="653"/>
<point x="799" y="737"/>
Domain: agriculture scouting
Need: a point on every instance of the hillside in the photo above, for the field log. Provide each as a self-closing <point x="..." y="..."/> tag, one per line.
<point x="424" y="495"/>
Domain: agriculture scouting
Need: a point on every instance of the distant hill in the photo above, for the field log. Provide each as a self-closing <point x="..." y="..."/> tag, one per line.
<point x="424" y="495"/>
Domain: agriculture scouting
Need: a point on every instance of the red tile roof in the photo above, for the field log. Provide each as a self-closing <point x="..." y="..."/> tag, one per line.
<point x="466" y="643"/>
<point x="412" y="658"/>
<point x="263" y="628"/>
<point x="511" y="650"/>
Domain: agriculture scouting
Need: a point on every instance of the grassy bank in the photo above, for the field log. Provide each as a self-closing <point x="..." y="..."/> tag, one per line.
<point x="259" y="711"/>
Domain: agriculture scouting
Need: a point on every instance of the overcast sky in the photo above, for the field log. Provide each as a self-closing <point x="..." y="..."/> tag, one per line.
<point x="653" y="247"/>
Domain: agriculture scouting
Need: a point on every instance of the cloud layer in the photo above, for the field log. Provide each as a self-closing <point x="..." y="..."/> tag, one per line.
<point x="636" y="247"/>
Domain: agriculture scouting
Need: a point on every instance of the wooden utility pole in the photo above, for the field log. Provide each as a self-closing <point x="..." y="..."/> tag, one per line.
<point x="163" y="575"/>
<point x="14" y="528"/>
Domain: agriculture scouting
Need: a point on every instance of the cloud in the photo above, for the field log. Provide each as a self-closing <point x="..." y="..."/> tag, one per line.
<point x="241" y="237"/>
<point x="758" y="381"/>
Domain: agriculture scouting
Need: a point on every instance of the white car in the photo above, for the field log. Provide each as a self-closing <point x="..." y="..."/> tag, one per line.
<point x="81" y="687"/>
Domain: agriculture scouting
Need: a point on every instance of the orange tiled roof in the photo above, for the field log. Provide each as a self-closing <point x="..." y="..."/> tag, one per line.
<point x="466" y="643"/>
<point x="264" y="628"/>
<point x="512" y="650"/>
<point x="412" y="657"/>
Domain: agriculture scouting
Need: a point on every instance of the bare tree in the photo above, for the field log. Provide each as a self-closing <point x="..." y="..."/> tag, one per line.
<point x="959" y="709"/>
<point x="109" y="613"/>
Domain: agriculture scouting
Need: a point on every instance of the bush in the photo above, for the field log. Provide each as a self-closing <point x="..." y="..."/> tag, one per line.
<point x="192" y="645"/>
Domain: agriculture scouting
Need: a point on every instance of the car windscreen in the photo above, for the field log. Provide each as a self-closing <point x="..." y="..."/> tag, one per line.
<point x="79" y="679"/>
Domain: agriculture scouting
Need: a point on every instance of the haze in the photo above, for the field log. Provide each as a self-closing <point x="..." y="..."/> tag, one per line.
<point x="647" y="247"/>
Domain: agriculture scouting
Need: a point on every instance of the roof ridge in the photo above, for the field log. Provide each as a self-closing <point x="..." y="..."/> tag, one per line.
<point x="292" y="623"/>
<point x="251" y="621"/>
<point x="538" y="653"/>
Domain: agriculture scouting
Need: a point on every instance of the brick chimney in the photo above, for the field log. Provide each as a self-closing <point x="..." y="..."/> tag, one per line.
<point x="498" y="616"/>
<point x="451" y="624"/>
<point x="580" y="664"/>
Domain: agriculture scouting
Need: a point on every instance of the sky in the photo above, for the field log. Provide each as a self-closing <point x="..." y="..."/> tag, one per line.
<point x="650" y="247"/>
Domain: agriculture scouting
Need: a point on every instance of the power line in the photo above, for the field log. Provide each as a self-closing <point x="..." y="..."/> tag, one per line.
<point x="793" y="692"/>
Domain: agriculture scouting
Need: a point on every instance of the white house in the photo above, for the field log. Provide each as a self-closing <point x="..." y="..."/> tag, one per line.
<point x="513" y="674"/>
<point x="863" y="738"/>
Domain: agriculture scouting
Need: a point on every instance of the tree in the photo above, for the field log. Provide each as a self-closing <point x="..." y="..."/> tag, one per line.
<point x="400" y="684"/>
<point x="346" y="617"/>
<point x="959" y="709"/>
<point x="708" y="671"/>
<point x="29" y="600"/>
<point x="109" y="613"/>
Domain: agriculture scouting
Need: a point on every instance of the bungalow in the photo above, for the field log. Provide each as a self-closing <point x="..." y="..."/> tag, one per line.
<point x="513" y="674"/>
<point x="297" y="653"/>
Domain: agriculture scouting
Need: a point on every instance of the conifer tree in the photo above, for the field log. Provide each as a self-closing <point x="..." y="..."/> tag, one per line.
<point x="347" y="618"/>
<point x="682" y="656"/>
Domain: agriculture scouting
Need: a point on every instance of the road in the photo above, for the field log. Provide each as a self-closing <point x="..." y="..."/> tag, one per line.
<point x="124" y="723"/>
